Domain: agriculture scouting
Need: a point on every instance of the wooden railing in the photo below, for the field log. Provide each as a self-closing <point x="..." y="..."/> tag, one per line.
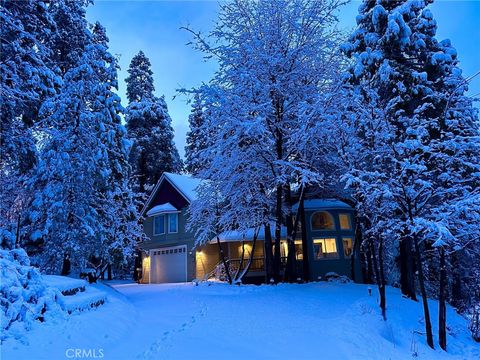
<point x="258" y="263"/>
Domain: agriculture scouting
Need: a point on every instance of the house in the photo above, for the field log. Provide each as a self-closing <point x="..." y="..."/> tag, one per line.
<point x="170" y="255"/>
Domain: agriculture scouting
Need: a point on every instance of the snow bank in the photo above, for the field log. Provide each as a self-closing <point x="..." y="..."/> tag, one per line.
<point x="25" y="298"/>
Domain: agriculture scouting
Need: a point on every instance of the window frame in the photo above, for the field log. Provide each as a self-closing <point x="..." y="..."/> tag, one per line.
<point x="326" y="258"/>
<point x="350" y="224"/>
<point x="333" y="228"/>
<point x="155" y="233"/>
<point x="169" y="229"/>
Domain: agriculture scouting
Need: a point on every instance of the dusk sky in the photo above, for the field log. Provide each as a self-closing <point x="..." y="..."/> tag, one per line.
<point x="154" y="27"/>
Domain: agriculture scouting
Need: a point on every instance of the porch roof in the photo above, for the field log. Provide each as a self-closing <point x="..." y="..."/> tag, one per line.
<point x="247" y="235"/>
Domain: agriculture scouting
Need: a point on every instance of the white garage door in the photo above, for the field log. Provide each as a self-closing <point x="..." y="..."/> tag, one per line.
<point x="168" y="265"/>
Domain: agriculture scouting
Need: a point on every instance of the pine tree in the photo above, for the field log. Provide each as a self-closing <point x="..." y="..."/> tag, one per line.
<point x="26" y="80"/>
<point x="149" y="127"/>
<point x="197" y="138"/>
<point x="422" y="148"/>
<point x="83" y="205"/>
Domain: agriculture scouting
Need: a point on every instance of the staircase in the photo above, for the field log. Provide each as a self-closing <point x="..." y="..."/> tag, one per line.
<point x="77" y="295"/>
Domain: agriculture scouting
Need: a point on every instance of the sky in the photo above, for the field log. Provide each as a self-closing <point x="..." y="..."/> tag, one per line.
<point x="154" y="27"/>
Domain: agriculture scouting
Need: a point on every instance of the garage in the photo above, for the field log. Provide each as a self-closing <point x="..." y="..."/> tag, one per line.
<point x="168" y="265"/>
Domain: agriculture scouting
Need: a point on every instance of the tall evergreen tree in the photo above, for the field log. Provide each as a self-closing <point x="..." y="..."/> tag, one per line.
<point x="82" y="204"/>
<point x="197" y="138"/>
<point x="423" y="157"/>
<point x="149" y="127"/>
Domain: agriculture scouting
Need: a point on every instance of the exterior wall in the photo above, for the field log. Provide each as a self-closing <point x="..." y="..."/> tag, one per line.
<point x="207" y="257"/>
<point x="182" y="237"/>
<point x="340" y="265"/>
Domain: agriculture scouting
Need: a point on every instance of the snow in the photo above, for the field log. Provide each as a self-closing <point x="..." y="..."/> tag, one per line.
<point x="323" y="204"/>
<point x="186" y="184"/>
<point x="163" y="208"/>
<point x="214" y="320"/>
<point x="234" y="235"/>
<point x="63" y="283"/>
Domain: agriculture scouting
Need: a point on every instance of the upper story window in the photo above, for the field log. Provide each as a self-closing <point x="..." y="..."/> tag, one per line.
<point x="322" y="220"/>
<point x="173" y="223"/>
<point x="345" y="222"/>
<point x="159" y="225"/>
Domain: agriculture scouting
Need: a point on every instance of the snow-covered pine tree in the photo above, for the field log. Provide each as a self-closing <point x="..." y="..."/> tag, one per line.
<point x="263" y="103"/>
<point x="26" y="80"/>
<point x="118" y="211"/>
<point x="71" y="36"/>
<point x="149" y="127"/>
<point x="197" y="137"/>
<point x="82" y="204"/>
<point x="411" y="75"/>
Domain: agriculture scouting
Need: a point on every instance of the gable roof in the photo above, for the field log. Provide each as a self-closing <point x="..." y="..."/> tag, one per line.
<point x="184" y="184"/>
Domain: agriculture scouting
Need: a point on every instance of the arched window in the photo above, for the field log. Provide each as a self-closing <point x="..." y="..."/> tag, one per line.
<point x="322" y="220"/>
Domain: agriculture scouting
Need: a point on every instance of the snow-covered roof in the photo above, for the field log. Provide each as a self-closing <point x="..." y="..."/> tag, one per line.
<point x="313" y="204"/>
<point x="185" y="184"/>
<point x="162" y="208"/>
<point x="247" y="235"/>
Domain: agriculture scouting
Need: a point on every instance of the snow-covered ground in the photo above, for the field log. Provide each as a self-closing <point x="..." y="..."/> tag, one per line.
<point x="217" y="321"/>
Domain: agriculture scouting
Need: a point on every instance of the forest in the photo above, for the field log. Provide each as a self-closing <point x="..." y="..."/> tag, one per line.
<point x="379" y="118"/>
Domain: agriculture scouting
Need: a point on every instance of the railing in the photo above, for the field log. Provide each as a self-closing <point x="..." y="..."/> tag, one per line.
<point x="258" y="264"/>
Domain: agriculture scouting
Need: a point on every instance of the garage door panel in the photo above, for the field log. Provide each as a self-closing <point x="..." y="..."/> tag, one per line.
<point x="168" y="265"/>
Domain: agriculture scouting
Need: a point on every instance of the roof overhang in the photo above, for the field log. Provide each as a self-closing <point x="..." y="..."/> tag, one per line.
<point x="166" y="208"/>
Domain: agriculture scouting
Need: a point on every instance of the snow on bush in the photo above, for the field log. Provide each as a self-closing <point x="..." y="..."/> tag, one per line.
<point x="24" y="296"/>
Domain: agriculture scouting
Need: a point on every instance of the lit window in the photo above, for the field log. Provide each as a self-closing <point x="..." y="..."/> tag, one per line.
<point x="298" y="250"/>
<point x="159" y="225"/>
<point x="325" y="248"/>
<point x="345" y="223"/>
<point x="172" y="223"/>
<point x="322" y="220"/>
<point x="347" y="246"/>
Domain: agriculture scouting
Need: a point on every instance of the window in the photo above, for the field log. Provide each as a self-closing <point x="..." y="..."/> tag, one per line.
<point x="345" y="223"/>
<point x="172" y="223"/>
<point x="159" y="225"/>
<point x="298" y="250"/>
<point x="347" y="246"/>
<point x="322" y="220"/>
<point x="325" y="248"/>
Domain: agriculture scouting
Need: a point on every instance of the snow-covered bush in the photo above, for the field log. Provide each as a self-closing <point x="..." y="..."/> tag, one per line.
<point x="24" y="297"/>
<point x="474" y="325"/>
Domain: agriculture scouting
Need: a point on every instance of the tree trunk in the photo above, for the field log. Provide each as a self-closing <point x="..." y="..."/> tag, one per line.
<point x="268" y="254"/>
<point x="224" y="262"/>
<point x="426" y="312"/>
<point x="442" y="309"/>
<point x="250" y="260"/>
<point x="291" y="269"/>
<point x="383" y="301"/>
<point x="109" y="272"/>
<point x="235" y="277"/>
<point x="278" y="229"/>
<point x="355" y="246"/>
<point x="305" y="263"/>
<point x="378" y="279"/>
<point x="407" y="268"/>
<point x="17" y="235"/>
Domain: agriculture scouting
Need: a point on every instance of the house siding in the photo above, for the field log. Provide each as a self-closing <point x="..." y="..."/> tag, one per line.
<point x="341" y="265"/>
<point x="182" y="237"/>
